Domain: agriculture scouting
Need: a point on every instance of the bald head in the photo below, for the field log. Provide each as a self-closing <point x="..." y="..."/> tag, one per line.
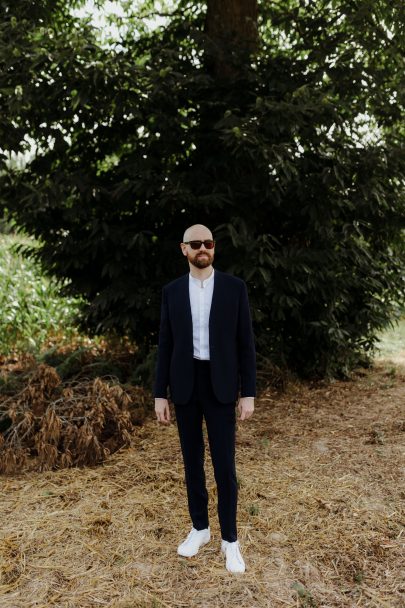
<point x="197" y="232"/>
<point x="201" y="258"/>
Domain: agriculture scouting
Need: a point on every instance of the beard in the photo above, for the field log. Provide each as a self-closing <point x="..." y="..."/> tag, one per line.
<point x="202" y="260"/>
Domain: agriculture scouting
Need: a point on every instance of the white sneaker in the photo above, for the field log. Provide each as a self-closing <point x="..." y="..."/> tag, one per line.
<point x="193" y="542"/>
<point x="234" y="559"/>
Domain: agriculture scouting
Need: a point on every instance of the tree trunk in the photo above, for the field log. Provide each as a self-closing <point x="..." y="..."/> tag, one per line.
<point x="232" y="35"/>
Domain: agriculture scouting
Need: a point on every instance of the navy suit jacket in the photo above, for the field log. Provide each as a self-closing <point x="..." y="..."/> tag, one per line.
<point x="231" y="341"/>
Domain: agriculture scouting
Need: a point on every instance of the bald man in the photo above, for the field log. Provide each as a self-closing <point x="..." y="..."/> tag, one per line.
<point x="207" y="359"/>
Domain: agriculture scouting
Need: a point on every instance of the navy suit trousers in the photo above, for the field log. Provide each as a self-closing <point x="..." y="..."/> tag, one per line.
<point x="220" y="419"/>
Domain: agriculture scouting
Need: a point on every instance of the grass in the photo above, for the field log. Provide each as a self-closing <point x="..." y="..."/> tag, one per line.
<point x="31" y="308"/>
<point x="392" y="342"/>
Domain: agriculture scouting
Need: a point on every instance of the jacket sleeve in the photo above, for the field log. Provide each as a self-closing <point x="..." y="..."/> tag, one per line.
<point x="164" y="352"/>
<point x="246" y="347"/>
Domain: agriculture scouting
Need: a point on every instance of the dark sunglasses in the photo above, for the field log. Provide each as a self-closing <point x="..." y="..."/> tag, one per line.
<point x="208" y="244"/>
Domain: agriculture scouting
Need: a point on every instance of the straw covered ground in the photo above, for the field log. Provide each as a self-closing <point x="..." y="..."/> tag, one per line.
<point x="321" y="512"/>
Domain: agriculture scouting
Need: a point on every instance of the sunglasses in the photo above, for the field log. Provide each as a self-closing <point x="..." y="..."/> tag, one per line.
<point x="208" y="244"/>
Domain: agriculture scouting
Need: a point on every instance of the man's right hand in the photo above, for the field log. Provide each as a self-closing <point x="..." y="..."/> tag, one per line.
<point x="162" y="410"/>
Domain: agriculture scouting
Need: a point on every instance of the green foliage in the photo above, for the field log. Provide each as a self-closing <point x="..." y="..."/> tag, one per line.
<point x="304" y="596"/>
<point x="31" y="309"/>
<point x="297" y="166"/>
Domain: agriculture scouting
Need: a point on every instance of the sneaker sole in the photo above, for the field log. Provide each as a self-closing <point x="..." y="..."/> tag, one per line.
<point x="193" y="554"/>
<point x="236" y="571"/>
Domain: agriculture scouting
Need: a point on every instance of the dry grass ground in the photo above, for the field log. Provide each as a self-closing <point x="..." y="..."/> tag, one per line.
<point x="321" y="513"/>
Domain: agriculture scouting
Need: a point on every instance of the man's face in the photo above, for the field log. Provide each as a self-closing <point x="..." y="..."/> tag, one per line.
<point x="200" y="258"/>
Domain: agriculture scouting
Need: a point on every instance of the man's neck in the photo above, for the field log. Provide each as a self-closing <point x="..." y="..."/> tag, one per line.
<point x="201" y="273"/>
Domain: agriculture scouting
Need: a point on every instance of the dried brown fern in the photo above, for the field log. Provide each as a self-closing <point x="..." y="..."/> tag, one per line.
<point x="51" y="425"/>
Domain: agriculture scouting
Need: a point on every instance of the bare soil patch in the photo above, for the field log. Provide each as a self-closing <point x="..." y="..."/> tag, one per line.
<point x="321" y="512"/>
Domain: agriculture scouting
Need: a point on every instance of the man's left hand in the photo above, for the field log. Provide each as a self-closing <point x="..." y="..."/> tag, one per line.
<point x="246" y="407"/>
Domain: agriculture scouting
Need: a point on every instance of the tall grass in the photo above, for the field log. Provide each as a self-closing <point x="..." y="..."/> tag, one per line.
<point x="31" y="310"/>
<point x="392" y="340"/>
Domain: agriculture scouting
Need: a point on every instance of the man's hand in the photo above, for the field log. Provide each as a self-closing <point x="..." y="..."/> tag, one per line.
<point x="246" y="407"/>
<point x="162" y="410"/>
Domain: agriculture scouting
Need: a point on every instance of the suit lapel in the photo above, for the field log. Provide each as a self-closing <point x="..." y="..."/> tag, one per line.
<point x="214" y="304"/>
<point x="185" y="304"/>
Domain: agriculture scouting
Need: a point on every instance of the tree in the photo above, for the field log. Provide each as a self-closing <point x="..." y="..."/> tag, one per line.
<point x="232" y="34"/>
<point x="289" y="146"/>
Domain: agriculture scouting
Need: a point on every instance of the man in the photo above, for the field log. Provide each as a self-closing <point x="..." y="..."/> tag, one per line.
<point x="206" y="349"/>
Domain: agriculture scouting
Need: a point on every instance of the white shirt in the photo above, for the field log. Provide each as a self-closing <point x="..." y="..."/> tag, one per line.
<point x="200" y="301"/>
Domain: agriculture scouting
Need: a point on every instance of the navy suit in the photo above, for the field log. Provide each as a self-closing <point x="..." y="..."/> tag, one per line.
<point x="207" y="388"/>
<point x="231" y="341"/>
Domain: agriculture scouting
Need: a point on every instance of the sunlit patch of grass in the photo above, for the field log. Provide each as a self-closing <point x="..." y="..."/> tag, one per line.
<point x="392" y="341"/>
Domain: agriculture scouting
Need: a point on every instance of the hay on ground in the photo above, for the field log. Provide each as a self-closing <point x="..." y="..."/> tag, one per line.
<point x="321" y="513"/>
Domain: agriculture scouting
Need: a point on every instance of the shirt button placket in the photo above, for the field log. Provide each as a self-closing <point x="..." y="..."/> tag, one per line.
<point x="202" y="354"/>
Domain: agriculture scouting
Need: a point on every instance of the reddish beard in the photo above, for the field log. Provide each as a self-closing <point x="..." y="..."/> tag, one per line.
<point x="201" y="260"/>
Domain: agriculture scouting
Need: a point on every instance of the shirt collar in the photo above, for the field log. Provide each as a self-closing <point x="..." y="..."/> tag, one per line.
<point x="198" y="281"/>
